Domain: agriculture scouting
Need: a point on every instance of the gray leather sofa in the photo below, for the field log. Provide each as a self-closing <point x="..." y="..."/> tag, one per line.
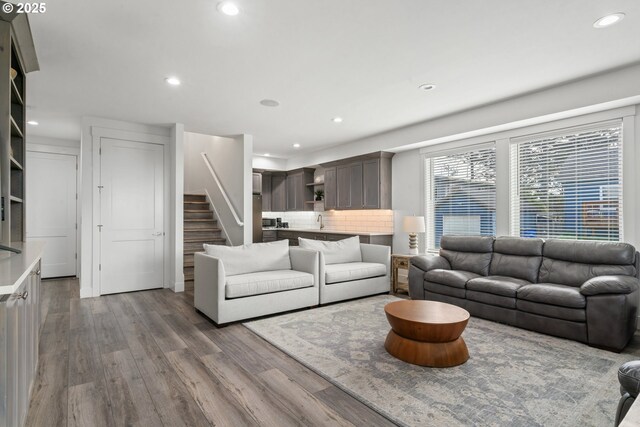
<point x="582" y="290"/>
<point x="629" y="378"/>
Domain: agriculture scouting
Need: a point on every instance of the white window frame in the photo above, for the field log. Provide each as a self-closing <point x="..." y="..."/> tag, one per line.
<point x="631" y="158"/>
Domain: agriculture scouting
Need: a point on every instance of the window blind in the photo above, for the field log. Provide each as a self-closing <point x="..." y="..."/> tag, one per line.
<point x="460" y="194"/>
<point x="568" y="184"/>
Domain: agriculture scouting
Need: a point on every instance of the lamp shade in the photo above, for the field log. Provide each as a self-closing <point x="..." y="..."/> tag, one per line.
<point x="413" y="224"/>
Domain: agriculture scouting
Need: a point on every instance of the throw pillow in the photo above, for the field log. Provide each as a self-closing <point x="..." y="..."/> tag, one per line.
<point x="346" y="250"/>
<point x="252" y="258"/>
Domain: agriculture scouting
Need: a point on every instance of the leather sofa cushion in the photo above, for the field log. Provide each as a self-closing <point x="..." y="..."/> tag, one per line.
<point x="609" y="285"/>
<point x="347" y="272"/>
<point x="576" y="273"/>
<point x="454" y="278"/>
<point x="554" y="294"/>
<point x="564" y="313"/>
<point x="266" y="282"/>
<point x="478" y="244"/>
<point x="497" y="285"/>
<point x="477" y="263"/>
<point x="497" y="300"/>
<point x="437" y="288"/>
<point x="522" y="246"/>
<point x="518" y="266"/>
<point x="588" y="252"/>
<point x="468" y="253"/>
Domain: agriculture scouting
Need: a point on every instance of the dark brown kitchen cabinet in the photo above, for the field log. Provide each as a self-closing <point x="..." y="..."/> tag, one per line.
<point x="299" y="194"/>
<point x="349" y="186"/>
<point x="330" y="200"/>
<point x="278" y="192"/>
<point x="359" y="183"/>
<point x="266" y="192"/>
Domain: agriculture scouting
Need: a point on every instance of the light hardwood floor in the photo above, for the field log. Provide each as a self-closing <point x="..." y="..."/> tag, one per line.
<point x="148" y="359"/>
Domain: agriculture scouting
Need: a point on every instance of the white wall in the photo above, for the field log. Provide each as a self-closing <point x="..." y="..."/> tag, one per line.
<point x="406" y="195"/>
<point x="89" y="245"/>
<point x="176" y="237"/>
<point x="596" y="93"/>
<point x="231" y="159"/>
<point x="269" y="163"/>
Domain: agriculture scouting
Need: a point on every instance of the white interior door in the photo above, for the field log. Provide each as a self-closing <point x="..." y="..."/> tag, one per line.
<point x="51" y="210"/>
<point x="132" y="216"/>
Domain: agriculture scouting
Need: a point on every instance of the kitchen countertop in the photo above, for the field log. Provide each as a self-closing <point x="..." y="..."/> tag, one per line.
<point x="317" y="230"/>
<point x="15" y="267"/>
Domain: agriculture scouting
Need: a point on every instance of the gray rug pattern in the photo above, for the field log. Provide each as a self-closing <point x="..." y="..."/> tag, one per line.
<point x="514" y="377"/>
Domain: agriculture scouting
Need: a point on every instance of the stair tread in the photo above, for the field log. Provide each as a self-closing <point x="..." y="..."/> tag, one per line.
<point x="213" y="229"/>
<point x="204" y="239"/>
<point x="198" y="210"/>
<point x="196" y="203"/>
<point x="198" y="219"/>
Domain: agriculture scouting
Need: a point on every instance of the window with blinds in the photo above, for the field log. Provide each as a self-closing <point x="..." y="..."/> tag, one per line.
<point x="460" y="193"/>
<point x="568" y="184"/>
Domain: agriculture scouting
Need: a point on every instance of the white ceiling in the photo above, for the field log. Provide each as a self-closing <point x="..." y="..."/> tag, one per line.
<point x="359" y="59"/>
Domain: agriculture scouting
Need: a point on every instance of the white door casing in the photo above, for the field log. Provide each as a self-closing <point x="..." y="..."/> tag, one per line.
<point x="52" y="210"/>
<point x="131" y="226"/>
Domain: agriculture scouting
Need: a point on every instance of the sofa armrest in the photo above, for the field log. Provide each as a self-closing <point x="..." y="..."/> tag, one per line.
<point x="380" y="254"/>
<point x="609" y="285"/>
<point x="427" y="263"/>
<point x="305" y="260"/>
<point x="629" y="377"/>
<point x="209" y="284"/>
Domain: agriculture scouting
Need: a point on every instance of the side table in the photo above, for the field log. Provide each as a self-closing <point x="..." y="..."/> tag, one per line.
<point x="399" y="261"/>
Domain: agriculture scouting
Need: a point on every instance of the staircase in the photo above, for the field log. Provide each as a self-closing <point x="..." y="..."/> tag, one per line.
<point x="200" y="226"/>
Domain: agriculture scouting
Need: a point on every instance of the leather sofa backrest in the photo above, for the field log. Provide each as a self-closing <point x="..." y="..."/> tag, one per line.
<point x="573" y="262"/>
<point x="517" y="257"/>
<point x="468" y="253"/>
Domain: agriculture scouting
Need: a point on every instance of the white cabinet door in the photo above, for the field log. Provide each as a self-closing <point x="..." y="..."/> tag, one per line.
<point x="51" y="212"/>
<point x="131" y="216"/>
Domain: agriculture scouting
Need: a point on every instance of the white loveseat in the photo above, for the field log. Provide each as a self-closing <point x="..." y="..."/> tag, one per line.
<point x="241" y="282"/>
<point x="350" y="269"/>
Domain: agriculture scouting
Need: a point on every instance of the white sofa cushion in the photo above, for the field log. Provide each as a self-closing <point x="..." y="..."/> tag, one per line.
<point x="244" y="285"/>
<point x="347" y="272"/>
<point x="251" y="258"/>
<point x="345" y="250"/>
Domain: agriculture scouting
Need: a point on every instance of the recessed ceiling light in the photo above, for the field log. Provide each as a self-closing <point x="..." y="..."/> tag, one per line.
<point x="269" y="103"/>
<point x="427" y="86"/>
<point x="296" y="145"/>
<point x="228" y="8"/>
<point x="173" y="81"/>
<point x="337" y="120"/>
<point x="607" y="21"/>
<point x="33" y="123"/>
<point x="267" y="154"/>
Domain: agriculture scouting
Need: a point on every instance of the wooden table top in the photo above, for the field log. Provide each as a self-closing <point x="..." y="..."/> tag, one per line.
<point x="426" y="312"/>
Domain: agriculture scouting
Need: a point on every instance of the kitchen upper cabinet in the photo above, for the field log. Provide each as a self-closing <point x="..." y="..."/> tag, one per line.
<point x="349" y="186"/>
<point x="278" y="192"/>
<point x="371" y="184"/>
<point x="330" y="188"/>
<point x="359" y="183"/>
<point x="299" y="194"/>
<point x="266" y="192"/>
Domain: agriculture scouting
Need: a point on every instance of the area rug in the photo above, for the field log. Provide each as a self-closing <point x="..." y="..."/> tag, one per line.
<point x="514" y="377"/>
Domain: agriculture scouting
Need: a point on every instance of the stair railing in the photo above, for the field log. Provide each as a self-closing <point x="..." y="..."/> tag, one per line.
<point x="222" y="191"/>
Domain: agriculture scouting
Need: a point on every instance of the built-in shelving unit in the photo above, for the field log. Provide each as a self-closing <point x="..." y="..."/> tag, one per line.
<point x="17" y="58"/>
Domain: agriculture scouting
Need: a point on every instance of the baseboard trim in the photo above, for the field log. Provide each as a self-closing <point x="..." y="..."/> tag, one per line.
<point x="86" y="292"/>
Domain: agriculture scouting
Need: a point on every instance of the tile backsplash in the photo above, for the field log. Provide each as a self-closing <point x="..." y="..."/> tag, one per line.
<point x="373" y="221"/>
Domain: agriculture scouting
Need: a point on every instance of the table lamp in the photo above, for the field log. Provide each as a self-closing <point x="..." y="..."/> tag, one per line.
<point x="413" y="225"/>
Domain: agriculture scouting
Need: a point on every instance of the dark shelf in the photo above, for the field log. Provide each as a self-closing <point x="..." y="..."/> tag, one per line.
<point x="16" y="98"/>
<point x="15" y="199"/>
<point x="313" y="184"/>
<point x="15" y="165"/>
<point x="15" y="129"/>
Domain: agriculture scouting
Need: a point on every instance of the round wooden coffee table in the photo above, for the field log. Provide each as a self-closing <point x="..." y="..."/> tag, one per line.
<point x="427" y="333"/>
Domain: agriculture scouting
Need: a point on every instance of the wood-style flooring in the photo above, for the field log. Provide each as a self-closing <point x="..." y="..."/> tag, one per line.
<point x="148" y="359"/>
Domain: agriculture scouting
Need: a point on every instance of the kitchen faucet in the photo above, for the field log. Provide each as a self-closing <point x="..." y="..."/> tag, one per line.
<point x="320" y="221"/>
